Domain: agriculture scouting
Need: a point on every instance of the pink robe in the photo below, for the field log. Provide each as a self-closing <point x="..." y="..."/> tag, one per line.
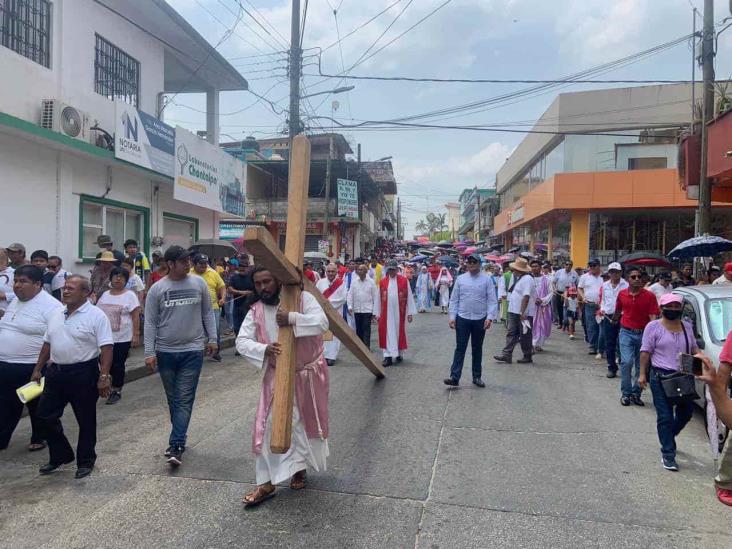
<point x="311" y="384"/>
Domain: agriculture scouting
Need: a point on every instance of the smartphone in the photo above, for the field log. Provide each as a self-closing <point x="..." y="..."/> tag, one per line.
<point x="690" y="364"/>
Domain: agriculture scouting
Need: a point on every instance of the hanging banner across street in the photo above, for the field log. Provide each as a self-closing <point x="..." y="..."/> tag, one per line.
<point x="143" y="140"/>
<point x="348" y="198"/>
<point x="207" y="176"/>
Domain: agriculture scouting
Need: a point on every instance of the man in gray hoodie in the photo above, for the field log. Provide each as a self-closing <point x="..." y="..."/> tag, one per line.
<point x="178" y="315"/>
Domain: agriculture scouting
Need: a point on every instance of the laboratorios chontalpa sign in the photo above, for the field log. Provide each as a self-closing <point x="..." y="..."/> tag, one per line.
<point x="207" y="176"/>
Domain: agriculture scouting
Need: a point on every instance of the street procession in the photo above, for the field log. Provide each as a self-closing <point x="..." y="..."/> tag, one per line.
<point x="246" y="313"/>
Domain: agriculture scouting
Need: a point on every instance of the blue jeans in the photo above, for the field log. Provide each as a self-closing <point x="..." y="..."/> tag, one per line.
<point x="593" y="328"/>
<point x="474" y="331"/>
<point x="179" y="373"/>
<point x="610" y="333"/>
<point x="669" y="422"/>
<point x="630" y="344"/>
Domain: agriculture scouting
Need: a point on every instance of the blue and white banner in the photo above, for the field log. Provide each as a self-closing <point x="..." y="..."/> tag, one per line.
<point x="143" y="140"/>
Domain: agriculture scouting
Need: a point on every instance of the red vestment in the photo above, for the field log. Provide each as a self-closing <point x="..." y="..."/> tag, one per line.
<point x="402" y="289"/>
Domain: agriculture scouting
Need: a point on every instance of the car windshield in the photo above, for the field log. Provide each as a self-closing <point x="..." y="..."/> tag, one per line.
<point x="720" y="318"/>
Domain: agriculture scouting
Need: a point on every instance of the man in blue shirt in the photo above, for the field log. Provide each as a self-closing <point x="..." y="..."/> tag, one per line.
<point x="473" y="307"/>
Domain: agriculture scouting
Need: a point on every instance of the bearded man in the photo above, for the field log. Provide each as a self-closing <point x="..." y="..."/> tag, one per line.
<point x="257" y="343"/>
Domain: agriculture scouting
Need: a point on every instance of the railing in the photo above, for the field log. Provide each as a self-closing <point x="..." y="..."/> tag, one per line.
<point x="277" y="208"/>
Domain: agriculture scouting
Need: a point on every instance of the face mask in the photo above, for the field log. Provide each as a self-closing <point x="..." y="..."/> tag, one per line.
<point x="671" y="314"/>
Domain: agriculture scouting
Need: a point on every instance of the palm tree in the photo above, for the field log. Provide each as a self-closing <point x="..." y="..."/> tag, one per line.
<point x="421" y="226"/>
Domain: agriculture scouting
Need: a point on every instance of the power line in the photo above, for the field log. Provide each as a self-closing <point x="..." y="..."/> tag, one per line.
<point x="215" y="17"/>
<point x="280" y="42"/>
<point x="359" y="27"/>
<point x="256" y="56"/>
<point x="270" y="25"/>
<point x="302" y="27"/>
<point x="242" y="9"/>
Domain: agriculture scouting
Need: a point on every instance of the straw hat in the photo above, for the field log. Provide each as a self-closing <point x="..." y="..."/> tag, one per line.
<point x="106" y="256"/>
<point x="521" y="265"/>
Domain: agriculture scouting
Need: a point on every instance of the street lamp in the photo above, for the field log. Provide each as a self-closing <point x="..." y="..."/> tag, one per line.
<point x="337" y="90"/>
<point x="384" y="159"/>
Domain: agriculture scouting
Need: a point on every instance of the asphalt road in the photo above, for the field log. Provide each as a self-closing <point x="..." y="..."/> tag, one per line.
<point x="545" y="456"/>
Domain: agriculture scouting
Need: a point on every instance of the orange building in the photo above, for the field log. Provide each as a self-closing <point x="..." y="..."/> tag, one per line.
<point x="599" y="178"/>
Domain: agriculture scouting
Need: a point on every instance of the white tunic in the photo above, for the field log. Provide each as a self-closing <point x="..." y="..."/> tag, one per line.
<point x="337" y="299"/>
<point x="392" y="317"/>
<point x="303" y="452"/>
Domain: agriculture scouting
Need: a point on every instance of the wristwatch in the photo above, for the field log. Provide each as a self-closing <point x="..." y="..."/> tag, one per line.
<point x="105" y="376"/>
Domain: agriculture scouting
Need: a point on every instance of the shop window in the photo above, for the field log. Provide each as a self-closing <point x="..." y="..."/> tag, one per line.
<point x="650" y="163"/>
<point x="116" y="74"/>
<point x="116" y="219"/>
<point x="25" y="28"/>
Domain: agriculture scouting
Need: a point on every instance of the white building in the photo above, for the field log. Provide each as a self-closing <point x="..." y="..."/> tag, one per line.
<point x="61" y="191"/>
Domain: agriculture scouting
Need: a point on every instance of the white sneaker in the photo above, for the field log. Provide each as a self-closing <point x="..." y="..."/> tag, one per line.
<point x="598" y="356"/>
<point x="571" y="336"/>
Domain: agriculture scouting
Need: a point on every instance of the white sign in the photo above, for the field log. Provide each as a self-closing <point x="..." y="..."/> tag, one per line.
<point x="207" y="176"/>
<point x="143" y="140"/>
<point x="348" y="198"/>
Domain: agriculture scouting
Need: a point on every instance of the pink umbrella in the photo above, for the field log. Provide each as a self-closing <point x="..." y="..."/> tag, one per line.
<point x="469" y="250"/>
<point x="493" y="258"/>
<point x="506" y="257"/>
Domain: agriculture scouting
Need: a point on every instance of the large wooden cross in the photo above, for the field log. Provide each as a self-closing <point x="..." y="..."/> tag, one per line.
<point x="287" y="269"/>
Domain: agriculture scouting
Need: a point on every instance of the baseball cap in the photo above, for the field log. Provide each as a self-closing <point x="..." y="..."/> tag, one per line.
<point x="728" y="267"/>
<point x="594" y="262"/>
<point x="16" y="247"/>
<point x="200" y="258"/>
<point x="614" y="266"/>
<point x="665" y="276"/>
<point x="473" y="257"/>
<point x="103" y="240"/>
<point x="392" y="265"/>
<point x="174" y="253"/>
<point x="670" y="298"/>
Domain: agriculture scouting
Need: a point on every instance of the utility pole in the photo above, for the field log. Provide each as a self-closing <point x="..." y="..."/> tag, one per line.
<point x="477" y="213"/>
<point x="326" y="228"/>
<point x="295" y="59"/>
<point x="707" y="59"/>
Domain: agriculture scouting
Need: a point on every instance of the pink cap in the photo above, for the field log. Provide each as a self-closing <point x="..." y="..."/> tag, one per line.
<point x="670" y="298"/>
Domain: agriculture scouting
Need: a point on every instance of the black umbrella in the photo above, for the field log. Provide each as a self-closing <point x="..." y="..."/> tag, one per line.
<point x="447" y="260"/>
<point x="215" y="248"/>
<point x="645" y="258"/>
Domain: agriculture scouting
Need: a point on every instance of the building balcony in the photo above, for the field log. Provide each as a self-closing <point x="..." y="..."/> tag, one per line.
<point x="276" y="208"/>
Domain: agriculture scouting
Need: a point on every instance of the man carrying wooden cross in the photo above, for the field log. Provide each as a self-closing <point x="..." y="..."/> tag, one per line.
<point x="257" y="343"/>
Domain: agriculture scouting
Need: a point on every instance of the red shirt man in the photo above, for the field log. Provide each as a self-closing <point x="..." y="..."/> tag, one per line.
<point x="635" y="308"/>
<point x="434" y="271"/>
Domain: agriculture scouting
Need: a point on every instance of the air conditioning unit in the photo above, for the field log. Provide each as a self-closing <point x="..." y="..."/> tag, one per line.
<point x="65" y="119"/>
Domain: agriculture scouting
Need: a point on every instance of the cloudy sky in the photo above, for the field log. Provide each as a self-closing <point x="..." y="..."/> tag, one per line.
<point x="471" y="39"/>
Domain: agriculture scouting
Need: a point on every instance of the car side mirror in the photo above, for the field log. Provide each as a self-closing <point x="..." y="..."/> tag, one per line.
<point x="700" y="343"/>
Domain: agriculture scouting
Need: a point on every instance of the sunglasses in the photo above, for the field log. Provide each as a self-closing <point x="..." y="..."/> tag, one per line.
<point x="634" y="277"/>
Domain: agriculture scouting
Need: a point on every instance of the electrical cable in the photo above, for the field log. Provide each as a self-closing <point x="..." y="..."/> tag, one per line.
<point x="302" y="26"/>
<point x="287" y="44"/>
<point x="216" y="18"/>
<point x="247" y="25"/>
<point x="280" y="43"/>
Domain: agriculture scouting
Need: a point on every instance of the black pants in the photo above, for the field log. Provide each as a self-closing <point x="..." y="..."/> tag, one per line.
<point x="119" y="357"/>
<point x="13" y="376"/>
<point x="474" y="331"/>
<point x="516" y="335"/>
<point x="74" y="384"/>
<point x="559" y="308"/>
<point x="363" y="328"/>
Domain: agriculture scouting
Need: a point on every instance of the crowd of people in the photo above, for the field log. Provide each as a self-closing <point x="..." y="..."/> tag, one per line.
<point x="75" y="332"/>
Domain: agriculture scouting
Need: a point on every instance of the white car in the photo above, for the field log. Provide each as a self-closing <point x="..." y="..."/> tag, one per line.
<point x="709" y="310"/>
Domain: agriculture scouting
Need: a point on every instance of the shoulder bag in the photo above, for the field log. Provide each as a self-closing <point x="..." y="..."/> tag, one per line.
<point x="679" y="387"/>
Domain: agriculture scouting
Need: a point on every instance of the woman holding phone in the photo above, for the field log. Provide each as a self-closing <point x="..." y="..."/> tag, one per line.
<point x="663" y="341"/>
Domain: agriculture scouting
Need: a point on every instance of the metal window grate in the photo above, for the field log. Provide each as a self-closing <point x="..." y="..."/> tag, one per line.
<point x="25" y="27"/>
<point x="116" y="74"/>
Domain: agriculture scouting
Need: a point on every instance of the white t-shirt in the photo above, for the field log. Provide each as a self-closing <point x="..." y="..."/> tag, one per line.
<point x="659" y="291"/>
<point x="610" y="296"/>
<point x="118" y="309"/>
<point x="22" y="328"/>
<point x="564" y="279"/>
<point x="723" y="281"/>
<point x="77" y="337"/>
<point x="523" y="287"/>
<point x="135" y="283"/>
<point x="591" y="285"/>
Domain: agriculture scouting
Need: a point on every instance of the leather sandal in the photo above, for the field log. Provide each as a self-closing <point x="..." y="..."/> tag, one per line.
<point x="299" y="480"/>
<point x="260" y="495"/>
<point x="36" y="446"/>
